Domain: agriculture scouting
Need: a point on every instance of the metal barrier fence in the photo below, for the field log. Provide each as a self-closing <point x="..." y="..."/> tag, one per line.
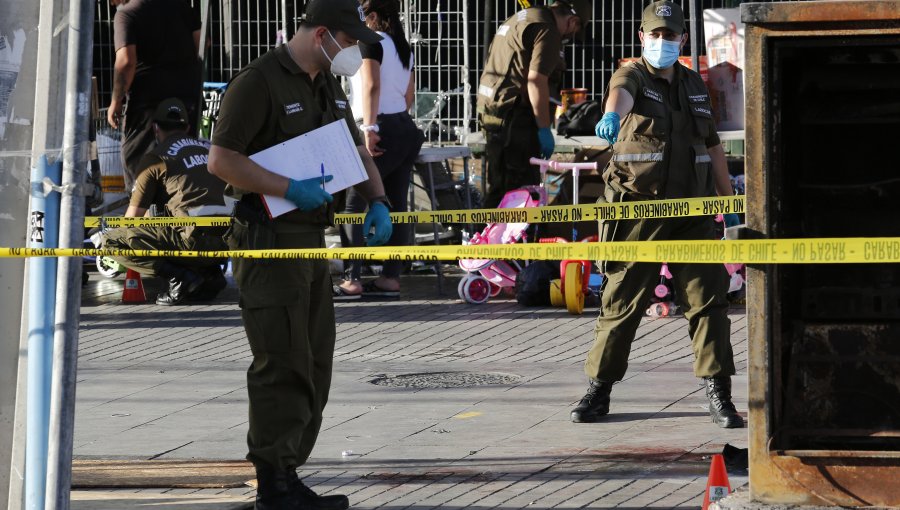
<point x="449" y="38"/>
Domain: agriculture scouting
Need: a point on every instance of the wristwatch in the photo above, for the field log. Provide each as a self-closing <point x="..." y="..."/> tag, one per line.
<point x="383" y="199"/>
<point x="373" y="128"/>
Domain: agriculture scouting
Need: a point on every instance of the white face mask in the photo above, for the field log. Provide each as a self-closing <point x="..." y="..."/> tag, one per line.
<point x="347" y="61"/>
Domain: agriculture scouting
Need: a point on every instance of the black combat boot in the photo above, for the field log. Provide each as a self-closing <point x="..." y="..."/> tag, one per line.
<point x="594" y="403"/>
<point x="282" y="490"/>
<point x="213" y="283"/>
<point x="721" y="410"/>
<point x="182" y="282"/>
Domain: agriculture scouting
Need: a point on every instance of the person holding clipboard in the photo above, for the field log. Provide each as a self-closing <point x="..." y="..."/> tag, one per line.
<point x="286" y="305"/>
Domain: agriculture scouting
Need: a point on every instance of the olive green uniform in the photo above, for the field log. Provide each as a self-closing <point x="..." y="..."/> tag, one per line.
<point x="174" y="177"/>
<point x="528" y="41"/>
<point x="661" y="152"/>
<point x="286" y="305"/>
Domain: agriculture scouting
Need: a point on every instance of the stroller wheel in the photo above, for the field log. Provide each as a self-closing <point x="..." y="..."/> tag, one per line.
<point x="459" y="287"/>
<point x="556" y="297"/>
<point x="476" y="290"/>
<point x="495" y="289"/>
<point x="108" y="267"/>
<point x="574" y="289"/>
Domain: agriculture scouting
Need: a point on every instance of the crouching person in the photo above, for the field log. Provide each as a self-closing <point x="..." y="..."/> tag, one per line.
<point x="174" y="177"/>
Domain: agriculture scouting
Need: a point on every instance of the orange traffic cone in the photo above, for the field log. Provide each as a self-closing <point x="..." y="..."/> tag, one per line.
<point x="717" y="486"/>
<point x="134" y="288"/>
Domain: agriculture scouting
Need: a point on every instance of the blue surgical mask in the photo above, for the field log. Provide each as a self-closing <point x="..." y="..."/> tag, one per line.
<point x="661" y="53"/>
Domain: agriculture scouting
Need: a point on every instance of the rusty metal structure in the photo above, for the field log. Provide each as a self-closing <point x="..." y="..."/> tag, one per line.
<point x="822" y="117"/>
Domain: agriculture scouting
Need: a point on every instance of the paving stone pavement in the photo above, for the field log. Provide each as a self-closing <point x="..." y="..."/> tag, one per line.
<point x="168" y="383"/>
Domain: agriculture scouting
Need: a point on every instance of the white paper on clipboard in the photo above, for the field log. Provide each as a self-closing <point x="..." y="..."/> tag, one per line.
<point x="302" y="157"/>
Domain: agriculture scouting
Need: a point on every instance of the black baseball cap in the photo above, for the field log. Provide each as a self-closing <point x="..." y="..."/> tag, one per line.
<point x="171" y="112"/>
<point x="344" y="15"/>
<point x="663" y="14"/>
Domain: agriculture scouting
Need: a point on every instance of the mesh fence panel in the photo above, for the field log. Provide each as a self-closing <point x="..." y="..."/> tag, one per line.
<point x="449" y="39"/>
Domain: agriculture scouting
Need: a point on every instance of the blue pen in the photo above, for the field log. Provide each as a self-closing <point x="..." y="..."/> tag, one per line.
<point x="323" y="175"/>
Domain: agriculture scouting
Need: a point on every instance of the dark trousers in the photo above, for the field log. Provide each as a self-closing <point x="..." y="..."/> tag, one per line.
<point x="508" y="150"/>
<point x="401" y="141"/>
<point x="138" y="138"/>
<point x="288" y="316"/>
<point x="151" y="237"/>
<point x="628" y="287"/>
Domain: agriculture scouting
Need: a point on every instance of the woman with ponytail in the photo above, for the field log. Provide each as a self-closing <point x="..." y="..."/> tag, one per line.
<point x="381" y="96"/>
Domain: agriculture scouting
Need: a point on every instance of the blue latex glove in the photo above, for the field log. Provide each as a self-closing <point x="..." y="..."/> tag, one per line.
<point x="378" y="217"/>
<point x="608" y="127"/>
<point x="548" y="143"/>
<point x="309" y="194"/>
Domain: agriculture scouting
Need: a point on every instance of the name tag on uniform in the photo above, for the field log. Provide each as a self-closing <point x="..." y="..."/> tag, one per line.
<point x="292" y="108"/>
<point x="341" y="104"/>
<point x="699" y="98"/>
<point x="652" y="94"/>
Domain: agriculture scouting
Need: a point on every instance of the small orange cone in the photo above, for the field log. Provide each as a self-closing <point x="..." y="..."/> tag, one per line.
<point x="134" y="288"/>
<point x="717" y="486"/>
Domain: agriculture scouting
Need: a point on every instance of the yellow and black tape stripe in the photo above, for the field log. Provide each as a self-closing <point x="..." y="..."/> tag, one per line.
<point x="772" y="251"/>
<point x="675" y="208"/>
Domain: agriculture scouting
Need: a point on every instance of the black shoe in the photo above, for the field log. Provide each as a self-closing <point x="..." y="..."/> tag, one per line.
<point x="180" y="289"/>
<point x="282" y="490"/>
<point x="214" y="282"/>
<point x="594" y="403"/>
<point x="721" y="410"/>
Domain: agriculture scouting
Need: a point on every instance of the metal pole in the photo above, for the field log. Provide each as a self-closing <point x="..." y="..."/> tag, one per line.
<point x="71" y="230"/>
<point x="696" y="19"/>
<point x="36" y="98"/>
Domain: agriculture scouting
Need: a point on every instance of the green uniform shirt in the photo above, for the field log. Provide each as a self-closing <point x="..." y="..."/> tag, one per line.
<point x="661" y="151"/>
<point x="528" y="41"/>
<point x="175" y="175"/>
<point x="273" y="100"/>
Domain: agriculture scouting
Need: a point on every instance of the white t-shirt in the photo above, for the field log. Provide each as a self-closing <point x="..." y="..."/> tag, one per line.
<point x="394" y="79"/>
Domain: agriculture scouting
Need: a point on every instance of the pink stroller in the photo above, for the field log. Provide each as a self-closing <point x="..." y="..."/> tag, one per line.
<point x="486" y="278"/>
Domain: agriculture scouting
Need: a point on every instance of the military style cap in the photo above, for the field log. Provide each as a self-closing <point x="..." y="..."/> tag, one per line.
<point x="663" y="14"/>
<point x="582" y="9"/>
<point x="344" y="15"/>
<point x="171" y="112"/>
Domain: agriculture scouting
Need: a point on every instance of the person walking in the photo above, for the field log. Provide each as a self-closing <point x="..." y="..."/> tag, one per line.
<point x="157" y="45"/>
<point x="382" y="94"/>
<point x="524" y="66"/>
<point x="659" y="121"/>
<point x="286" y="304"/>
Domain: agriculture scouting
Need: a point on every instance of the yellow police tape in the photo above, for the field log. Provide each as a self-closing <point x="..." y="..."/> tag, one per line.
<point x="773" y="251"/>
<point x="673" y="208"/>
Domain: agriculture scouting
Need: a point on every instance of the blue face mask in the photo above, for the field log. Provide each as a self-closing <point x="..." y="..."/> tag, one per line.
<point x="661" y="53"/>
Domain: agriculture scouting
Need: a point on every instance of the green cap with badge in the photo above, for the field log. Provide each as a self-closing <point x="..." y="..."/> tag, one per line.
<point x="663" y="14"/>
<point x="344" y="15"/>
<point x="171" y="112"/>
<point x="582" y="9"/>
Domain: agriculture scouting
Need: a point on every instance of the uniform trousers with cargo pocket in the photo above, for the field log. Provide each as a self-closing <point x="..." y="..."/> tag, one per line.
<point x="288" y="316"/>
<point x="151" y="237"/>
<point x="508" y="149"/>
<point x="700" y="289"/>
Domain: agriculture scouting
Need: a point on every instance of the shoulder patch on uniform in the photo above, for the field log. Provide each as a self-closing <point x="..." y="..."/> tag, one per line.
<point x="652" y="94"/>
<point x="702" y="110"/>
<point x="341" y="104"/>
<point x="699" y="98"/>
<point x="502" y="31"/>
<point x="293" y="108"/>
<point x="522" y="15"/>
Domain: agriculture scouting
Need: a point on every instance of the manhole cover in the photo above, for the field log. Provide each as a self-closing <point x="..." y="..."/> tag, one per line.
<point x="445" y="380"/>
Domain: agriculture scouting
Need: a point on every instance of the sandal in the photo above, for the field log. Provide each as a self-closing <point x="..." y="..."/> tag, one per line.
<point x="372" y="290"/>
<point x="339" y="294"/>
